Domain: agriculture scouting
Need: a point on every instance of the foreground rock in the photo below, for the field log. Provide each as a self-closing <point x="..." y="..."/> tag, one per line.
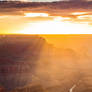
<point x="30" y="88"/>
<point x="18" y="59"/>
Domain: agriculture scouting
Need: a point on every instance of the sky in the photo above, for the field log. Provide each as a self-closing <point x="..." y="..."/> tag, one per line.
<point x="35" y="0"/>
<point x="46" y="0"/>
<point x="49" y="18"/>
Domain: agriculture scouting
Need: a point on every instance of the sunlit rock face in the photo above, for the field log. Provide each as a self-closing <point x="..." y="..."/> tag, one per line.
<point x="61" y="69"/>
<point x="57" y="69"/>
<point x="85" y="71"/>
<point x="18" y="58"/>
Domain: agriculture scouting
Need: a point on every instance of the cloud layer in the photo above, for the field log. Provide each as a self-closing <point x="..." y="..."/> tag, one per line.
<point x="71" y="11"/>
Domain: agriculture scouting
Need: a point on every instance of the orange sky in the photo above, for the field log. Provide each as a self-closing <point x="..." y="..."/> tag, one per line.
<point x="43" y="23"/>
<point x="44" y="18"/>
<point x="80" y="43"/>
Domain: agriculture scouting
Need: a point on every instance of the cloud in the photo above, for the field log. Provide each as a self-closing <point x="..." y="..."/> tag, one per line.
<point x="54" y="8"/>
<point x="64" y="11"/>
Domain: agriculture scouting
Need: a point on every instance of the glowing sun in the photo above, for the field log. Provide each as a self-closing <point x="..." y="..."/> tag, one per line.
<point x="56" y="26"/>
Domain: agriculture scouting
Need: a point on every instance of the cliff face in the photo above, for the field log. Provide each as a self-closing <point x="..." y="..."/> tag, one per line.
<point x="28" y="59"/>
<point x="30" y="88"/>
<point x="25" y="60"/>
<point x="18" y="58"/>
<point x="57" y="69"/>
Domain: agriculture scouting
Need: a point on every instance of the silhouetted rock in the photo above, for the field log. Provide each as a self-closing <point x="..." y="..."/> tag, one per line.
<point x="2" y="89"/>
<point x="18" y="58"/>
<point x="30" y="88"/>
